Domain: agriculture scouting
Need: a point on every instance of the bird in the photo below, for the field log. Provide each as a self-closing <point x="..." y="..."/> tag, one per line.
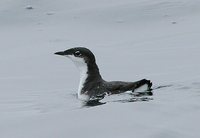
<point x="92" y="86"/>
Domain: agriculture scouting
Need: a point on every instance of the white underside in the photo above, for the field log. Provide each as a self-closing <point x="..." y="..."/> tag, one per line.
<point x="83" y="97"/>
<point x="142" y="88"/>
<point x="82" y="66"/>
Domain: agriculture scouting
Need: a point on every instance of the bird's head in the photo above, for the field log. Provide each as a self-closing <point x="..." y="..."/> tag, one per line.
<point x="81" y="56"/>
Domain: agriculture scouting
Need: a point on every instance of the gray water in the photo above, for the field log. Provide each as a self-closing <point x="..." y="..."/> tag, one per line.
<point x="132" y="40"/>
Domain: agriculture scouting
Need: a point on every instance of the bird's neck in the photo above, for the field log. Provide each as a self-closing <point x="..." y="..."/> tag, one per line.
<point x="93" y="72"/>
<point x="89" y="74"/>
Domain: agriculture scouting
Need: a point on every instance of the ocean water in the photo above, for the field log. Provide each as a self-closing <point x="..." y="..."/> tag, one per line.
<point x="132" y="40"/>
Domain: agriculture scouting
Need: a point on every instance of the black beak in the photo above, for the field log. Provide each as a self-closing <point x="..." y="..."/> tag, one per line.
<point x="62" y="53"/>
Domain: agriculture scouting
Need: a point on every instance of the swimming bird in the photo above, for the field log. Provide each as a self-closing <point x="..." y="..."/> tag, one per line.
<point x="92" y="86"/>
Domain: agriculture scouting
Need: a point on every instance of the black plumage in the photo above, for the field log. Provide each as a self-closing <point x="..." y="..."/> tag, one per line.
<point x="95" y="86"/>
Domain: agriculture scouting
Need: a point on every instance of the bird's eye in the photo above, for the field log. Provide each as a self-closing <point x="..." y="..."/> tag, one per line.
<point x="77" y="53"/>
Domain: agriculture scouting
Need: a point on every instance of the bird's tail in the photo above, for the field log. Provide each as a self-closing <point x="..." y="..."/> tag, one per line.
<point x="143" y="86"/>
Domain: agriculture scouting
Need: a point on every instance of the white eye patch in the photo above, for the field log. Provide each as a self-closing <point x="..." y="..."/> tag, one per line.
<point x="77" y="53"/>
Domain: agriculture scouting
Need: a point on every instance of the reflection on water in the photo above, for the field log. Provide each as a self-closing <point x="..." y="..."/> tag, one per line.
<point x="140" y="94"/>
<point x="162" y="86"/>
<point x="137" y="97"/>
<point x="133" y="97"/>
<point x="93" y="103"/>
<point x="128" y="97"/>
